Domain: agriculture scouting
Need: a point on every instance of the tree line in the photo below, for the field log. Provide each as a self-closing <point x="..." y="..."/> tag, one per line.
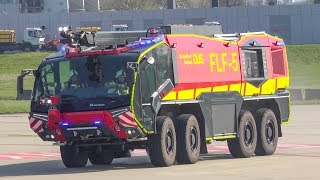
<point x="162" y="4"/>
<point x="184" y="4"/>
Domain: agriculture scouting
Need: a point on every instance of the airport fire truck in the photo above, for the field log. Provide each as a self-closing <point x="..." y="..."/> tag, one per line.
<point x="169" y="90"/>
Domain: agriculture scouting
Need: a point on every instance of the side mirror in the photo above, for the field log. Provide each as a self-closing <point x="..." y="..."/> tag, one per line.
<point x="151" y="60"/>
<point x="20" y="84"/>
<point x="21" y="93"/>
<point x="159" y="94"/>
<point x="36" y="73"/>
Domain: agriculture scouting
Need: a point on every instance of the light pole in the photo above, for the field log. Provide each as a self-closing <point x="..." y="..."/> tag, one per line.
<point x="171" y="4"/>
<point x="215" y="3"/>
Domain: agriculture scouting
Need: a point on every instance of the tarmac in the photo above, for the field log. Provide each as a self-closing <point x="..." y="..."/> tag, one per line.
<point x="23" y="155"/>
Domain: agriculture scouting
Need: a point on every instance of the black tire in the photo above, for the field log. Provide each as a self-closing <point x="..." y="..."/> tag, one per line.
<point x="27" y="48"/>
<point x="162" y="146"/>
<point x="245" y="144"/>
<point x="267" y="128"/>
<point x="71" y="158"/>
<point x="122" y="154"/>
<point x="101" y="158"/>
<point x="188" y="139"/>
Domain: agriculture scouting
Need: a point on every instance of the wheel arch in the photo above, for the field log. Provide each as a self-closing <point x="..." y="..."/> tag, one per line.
<point x="174" y="110"/>
<point x="272" y="104"/>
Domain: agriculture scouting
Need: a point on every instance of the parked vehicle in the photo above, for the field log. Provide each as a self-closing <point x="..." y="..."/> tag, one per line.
<point x="32" y="40"/>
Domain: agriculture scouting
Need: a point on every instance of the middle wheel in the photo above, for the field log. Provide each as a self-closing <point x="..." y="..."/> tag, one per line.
<point x="162" y="146"/>
<point x="188" y="139"/>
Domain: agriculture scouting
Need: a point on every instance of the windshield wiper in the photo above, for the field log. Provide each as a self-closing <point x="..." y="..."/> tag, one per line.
<point x="105" y="98"/>
<point x="68" y="97"/>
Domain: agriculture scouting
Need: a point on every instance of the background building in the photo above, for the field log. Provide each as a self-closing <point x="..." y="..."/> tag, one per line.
<point x="297" y="24"/>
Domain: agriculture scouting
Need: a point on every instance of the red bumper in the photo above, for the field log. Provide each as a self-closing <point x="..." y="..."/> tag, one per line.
<point x="57" y="120"/>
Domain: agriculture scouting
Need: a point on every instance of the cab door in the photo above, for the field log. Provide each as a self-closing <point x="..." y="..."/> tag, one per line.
<point x="155" y="70"/>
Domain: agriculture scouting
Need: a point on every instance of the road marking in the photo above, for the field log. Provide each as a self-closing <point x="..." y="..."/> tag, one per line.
<point x="142" y="152"/>
<point x="29" y="155"/>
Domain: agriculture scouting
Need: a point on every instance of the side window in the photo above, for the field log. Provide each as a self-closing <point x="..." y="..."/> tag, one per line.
<point x="255" y="64"/>
<point x="64" y="72"/>
<point x="148" y="81"/>
<point x="278" y="62"/>
<point x="47" y="80"/>
<point x="145" y="86"/>
<point x="163" y="58"/>
<point x="30" y="34"/>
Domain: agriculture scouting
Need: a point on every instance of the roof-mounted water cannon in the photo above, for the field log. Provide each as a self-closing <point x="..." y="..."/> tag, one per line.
<point x="152" y="32"/>
<point x="68" y="36"/>
<point x="76" y="39"/>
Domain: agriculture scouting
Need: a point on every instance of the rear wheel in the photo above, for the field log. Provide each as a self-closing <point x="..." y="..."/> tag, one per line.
<point x="162" y="146"/>
<point x="71" y="157"/>
<point x="101" y="158"/>
<point x="188" y="139"/>
<point x="267" y="127"/>
<point x="245" y="144"/>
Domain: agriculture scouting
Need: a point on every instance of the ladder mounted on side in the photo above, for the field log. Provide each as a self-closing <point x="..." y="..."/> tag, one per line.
<point x="237" y="36"/>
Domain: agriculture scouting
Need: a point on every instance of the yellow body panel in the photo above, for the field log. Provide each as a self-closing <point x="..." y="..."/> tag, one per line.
<point x="186" y="94"/>
<point x="251" y="90"/>
<point x="235" y="87"/>
<point x="283" y="82"/>
<point x="220" y="88"/>
<point x="170" y="96"/>
<point x="269" y="87"/>
<point x="202" y="90"/>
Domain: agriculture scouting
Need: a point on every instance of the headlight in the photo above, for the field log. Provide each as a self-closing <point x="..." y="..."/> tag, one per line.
<point x="65" y="29"/>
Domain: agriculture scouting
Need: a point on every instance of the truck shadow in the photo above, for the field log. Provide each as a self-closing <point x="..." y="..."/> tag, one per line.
<point x="56" y="167"/>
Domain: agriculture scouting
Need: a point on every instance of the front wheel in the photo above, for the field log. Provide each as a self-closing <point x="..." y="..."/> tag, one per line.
<point x="71" y="157"/>
<point x="162" y="146"/>
<point x="101" y="158"/>
<point x="245" y="144"/>
<point x="267" y="132"/>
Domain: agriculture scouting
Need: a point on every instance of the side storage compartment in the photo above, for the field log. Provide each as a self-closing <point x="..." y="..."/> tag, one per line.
<point x="220" y="111"/>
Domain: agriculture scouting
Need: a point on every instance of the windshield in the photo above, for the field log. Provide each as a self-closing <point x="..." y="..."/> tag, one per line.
<point x="87" y="83"/>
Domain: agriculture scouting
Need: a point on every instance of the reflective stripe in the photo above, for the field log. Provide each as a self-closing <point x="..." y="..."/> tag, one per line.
<point x="251" y="89"/>
<point x="235" y="87"/>
<point x="269" y="87"/>
<point x="170" y="96"/>
<point x="126" y="120"/>
<point x="129" y="113"/>
<point x="36" y="125"/>
<point x="246" y="89"/>
<point x="220" y="88"/>
<point x="283" y="82"/>
<point x="224" y="137"/>
<point x="199" y="91"/>
<point x="186" y="94"/>
<point x="125" y="124"/>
